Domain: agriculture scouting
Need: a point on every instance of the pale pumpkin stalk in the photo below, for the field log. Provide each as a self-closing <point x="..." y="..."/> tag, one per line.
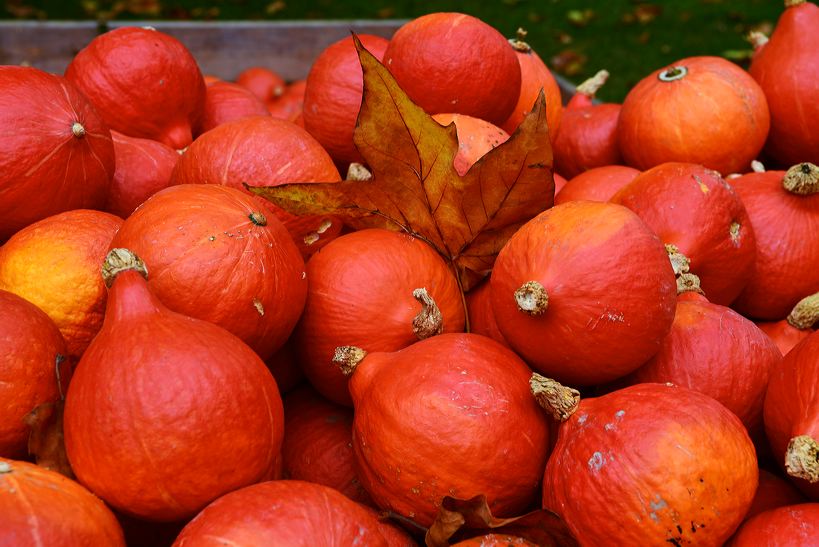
<point x="802" y="179"/>
<point x="556" y="399"/>
<point x="532" y="298"/>
<point x="591" y="86"/>
<point x="802" y="458"/>
<point x="429" y="320"/>
<point x="806" y="313"/>
<point x="121" y="260"/>
<point x="348" y="358"/>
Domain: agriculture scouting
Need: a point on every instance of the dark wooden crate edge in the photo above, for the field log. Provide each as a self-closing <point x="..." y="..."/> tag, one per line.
<point x="222" y="48"/>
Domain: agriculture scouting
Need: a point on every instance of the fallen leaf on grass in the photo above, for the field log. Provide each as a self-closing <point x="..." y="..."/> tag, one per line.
<point x="415" y="187"/>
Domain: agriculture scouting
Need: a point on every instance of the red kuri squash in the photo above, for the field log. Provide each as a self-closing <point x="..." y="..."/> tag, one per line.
<point x="584" y="292"/>
<point x="143" y="82"/>
<point x="784" y="210"/>
<point x="32" y="371"/>
<point x="446" y="416"/>
<point x="287" y="512"/>
<point x="56" y="153"/>
<point x="143" y="167"/>
<point x="782" y="67"/>
<point x="42" y="507"/>
<point x="428" y="59"/>
<point x="376" y="289"/>
<point x="332" y="96"/>
<point x="704" y="110"/>
<point x="166" y="413"/>
<point x="651" y="464"/>
<point x="216" y="255"/>
<point x="695" y="210"/>
<point x="792" y="415"/>
<point x="588" y="135"/>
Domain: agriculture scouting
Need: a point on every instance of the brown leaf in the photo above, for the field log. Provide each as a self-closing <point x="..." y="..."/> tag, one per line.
<point x="415" y="187"/>
<point x="45" y="442"/>
<point x="460" y="519"/>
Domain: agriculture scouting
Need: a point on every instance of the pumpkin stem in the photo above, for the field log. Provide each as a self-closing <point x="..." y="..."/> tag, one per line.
<point x="688" y="282"/>
<point x="591" y="86"/>
<point x="556" y="399"/>
<point x="5" y="467"/>
<point x="757" y="166"/>
<point x="792" y="3"/>
<point x="257" y="218"/>
<point x="313" y="237"/>
<point x="532" y="298"/>
<point x="121" y="260"/>
<point x="757" y="39"/>
<point x="802" y="458"/>
<point x="673" y="73"/>
<point x="429" y="320"/>
<point x="519" y="42"/>
<point x="78" y="130"/>
<point x="357" y="171"/>
<point x="679" y="261"/>
<point x="802" y="179"/>
<point x="806" y="313"/>
<point x="348" y="358"/>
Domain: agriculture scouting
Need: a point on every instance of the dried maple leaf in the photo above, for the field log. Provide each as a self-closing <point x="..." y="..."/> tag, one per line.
<point x="460" y="519"/>
<point x="415" y="187"/>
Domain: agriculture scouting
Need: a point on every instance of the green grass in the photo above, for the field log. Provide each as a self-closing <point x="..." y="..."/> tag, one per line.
<point x="628" y="38"/>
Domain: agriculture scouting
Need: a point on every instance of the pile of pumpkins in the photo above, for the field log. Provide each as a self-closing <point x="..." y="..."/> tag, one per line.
<point x="183" y="362"/>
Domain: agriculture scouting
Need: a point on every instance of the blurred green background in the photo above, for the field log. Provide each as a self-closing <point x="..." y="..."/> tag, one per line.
<point x="575" y="38"/>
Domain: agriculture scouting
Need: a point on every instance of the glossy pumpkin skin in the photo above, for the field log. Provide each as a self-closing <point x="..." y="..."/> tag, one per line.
<point x="481" y="316"/>
<point x="651" y="464"/>
<point x="789" y="526"/>
<point x="143" y="167"/>
<point x="787" y="249"/>
<point x="588" y="136"/>
<point x="262" y="82"/>
<point x="791" y="404"/>
<point x="200" y="241"/>
<point x="286" y="512"/>
<point x="714" y="350"/>
<point x="781" y="67"/>
<point x="317" y="443"/>
<point x="771" y="493"/>
<point x="596" y="184"/>
<point x="694" y="209"/>
<point x="610" y="286"/>
<point x="476" y="137"/>
<point x="715" y="115"/>
<point x="56" y="153"/>
<point x="144" y="83"/>
<point x="31" y="349"/>
<point x="264" y="151"/>
<point x="482" y="80"/>
<point x="333" y="93"/>
<point x="200" y="414"/>
<point x="55" y="264"/>
<point x="447" y="416"/>
<point x="361" y="294"/>
<point x="225" y="102"/>
<point x="534" y="76"/>
<point x="42" y="507"/>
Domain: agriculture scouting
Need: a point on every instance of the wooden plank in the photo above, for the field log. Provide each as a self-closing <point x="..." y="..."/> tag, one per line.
<point x="49" y="46"/>
<point x="222" y="49"/>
